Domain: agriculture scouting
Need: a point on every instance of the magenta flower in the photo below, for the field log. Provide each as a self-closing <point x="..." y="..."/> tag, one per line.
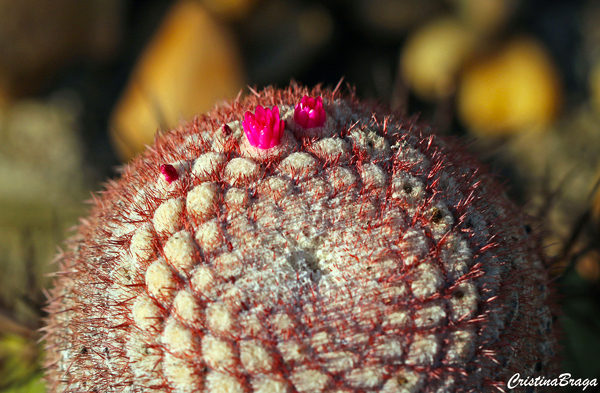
<point x="169" y="172"/>
<point x="263" y="129"/>
<point x="309" y="112"/>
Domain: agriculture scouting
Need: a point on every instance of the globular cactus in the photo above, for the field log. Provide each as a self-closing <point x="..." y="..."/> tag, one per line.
<point x="300" y="241"/>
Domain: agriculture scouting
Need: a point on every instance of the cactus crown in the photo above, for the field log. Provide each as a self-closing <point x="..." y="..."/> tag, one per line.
<point x="357" y="253"/>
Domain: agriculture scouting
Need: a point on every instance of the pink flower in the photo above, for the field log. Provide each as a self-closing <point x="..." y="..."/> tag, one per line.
<point x="263" y="129"/>
<point x="169" y="172"/>
<point x="309" y="112"/>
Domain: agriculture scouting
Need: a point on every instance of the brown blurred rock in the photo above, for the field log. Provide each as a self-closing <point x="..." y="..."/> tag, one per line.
<point x="191" y="63"/>
<point x="38" y="37"/>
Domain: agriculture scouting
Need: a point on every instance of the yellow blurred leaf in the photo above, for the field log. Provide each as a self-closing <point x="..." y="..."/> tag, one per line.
<point x="514" y="89"/>
<point x="190" y="64"/>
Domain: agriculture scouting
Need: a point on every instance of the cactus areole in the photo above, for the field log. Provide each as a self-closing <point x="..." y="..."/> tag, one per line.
<point x="299" y="240"/>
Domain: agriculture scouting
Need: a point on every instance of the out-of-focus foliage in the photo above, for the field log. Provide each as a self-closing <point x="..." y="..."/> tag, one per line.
<point x="38" y="38"/>
<point x="486" y="17"/>
<point x="390" y="17"/>
<point x="42" y="183"/>
<point x="34" y="384"/>
<point x="20" y="359"/>
<point x="42" y="186"/>
<point x="595" y="86"/>
<point x="588" y="266"/>
<point x="462" y="64"/>
<point x="580" y="322"/>
<point x="229" y="9"/>
<point x="557" y="171"/>
<point x="284" y="38"/>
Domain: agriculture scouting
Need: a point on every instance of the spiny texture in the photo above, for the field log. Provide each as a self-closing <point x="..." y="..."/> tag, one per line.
<point x="364" y="255"/>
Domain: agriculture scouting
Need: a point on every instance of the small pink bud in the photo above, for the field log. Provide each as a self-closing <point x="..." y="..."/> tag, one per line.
<point x="309" y="112"/>
<point x="169" y="172"/>
<point x="263" y="129"/>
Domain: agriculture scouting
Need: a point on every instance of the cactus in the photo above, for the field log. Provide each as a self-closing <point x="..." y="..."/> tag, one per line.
<point x="318" y="244"/>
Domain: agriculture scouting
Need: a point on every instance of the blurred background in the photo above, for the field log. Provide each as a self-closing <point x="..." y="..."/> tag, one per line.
<point x="84" y="85"/>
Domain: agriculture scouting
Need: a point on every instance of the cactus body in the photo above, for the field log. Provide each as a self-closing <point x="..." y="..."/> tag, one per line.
<point x="359" y="255"/>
